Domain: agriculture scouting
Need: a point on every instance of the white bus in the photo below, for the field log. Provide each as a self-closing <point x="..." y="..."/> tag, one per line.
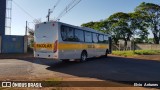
<point x="57" y="40"/>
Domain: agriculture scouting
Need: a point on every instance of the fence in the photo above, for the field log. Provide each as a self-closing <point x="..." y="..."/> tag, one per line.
<point x="147" y="47"/>
<point x="138" y="47"/>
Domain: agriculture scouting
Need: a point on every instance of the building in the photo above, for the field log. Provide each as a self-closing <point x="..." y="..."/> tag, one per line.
<point x="9" y="43"/>
<point x="2" y="16"/>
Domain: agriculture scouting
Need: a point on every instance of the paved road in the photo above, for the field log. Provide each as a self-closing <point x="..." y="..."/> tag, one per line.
<point x="111" y="68"/>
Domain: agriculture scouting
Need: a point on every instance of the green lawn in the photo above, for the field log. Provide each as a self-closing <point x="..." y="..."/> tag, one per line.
<point x="136" y="52"/>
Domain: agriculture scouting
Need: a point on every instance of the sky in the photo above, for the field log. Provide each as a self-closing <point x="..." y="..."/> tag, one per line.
<point x="85" y="11"/>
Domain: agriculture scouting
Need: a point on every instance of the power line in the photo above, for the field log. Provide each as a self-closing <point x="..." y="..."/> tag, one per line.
<point x="70" y="6"/>
<point x="24" y="11"/>
<point x="67" y="8"/>
<point x="51" y="10"/>
<point x="56" y="4"/>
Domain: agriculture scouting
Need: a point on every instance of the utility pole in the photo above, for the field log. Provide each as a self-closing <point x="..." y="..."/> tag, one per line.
<point x="26" y="28"/>
<point x="26" y="39"/>
<point x="49" y="13"/>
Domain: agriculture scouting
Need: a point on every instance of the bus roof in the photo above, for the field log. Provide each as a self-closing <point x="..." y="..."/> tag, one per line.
<point x="78" y="27"/>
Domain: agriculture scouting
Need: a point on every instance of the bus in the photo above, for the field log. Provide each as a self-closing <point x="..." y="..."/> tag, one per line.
<point x="61" y="41"/>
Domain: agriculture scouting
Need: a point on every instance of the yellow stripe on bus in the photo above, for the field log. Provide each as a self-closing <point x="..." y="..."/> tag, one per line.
<point x="64" y="46"/>
<point x="69" y="46"/>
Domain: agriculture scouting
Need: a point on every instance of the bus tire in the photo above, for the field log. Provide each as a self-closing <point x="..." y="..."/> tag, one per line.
<point x="107" y="51"/>
<point x="83" y="56"/>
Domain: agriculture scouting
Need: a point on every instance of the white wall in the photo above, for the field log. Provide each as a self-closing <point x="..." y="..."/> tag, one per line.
<point x="25" y="44"/>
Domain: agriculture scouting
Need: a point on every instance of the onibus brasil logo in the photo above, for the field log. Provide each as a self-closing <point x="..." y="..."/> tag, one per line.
<point x="21" y="84"/>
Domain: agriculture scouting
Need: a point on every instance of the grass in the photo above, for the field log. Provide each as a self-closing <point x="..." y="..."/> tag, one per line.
<point x="53" y="82"/>
<point x="147" y="52"/>
<point x="136" y="52"/>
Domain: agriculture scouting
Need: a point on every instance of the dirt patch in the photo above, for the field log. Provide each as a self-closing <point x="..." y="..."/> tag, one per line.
<point x="149" y="57"/>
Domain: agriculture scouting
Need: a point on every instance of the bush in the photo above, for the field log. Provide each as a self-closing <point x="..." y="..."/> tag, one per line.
<point x="123" y="53"/>
<point x="30" y="50"/>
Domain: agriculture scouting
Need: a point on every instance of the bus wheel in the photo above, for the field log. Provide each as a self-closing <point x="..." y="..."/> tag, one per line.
<point x="106" y="55"/>
<point x="83" y="56"/>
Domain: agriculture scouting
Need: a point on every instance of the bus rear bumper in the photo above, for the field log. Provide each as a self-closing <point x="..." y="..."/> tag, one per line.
<point x="45" y="55"/>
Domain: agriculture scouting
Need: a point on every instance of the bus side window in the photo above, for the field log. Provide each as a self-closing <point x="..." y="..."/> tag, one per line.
<point x="67" y="33"/>
<point x="95" y="38"/>
<point x="64" y="33"/>
<point x="106" y="39"/>
<point x="70" y="34"/>
<point x="100" y="38"/>
<point x="88" y="37"/>
<point x="79" y="36"/>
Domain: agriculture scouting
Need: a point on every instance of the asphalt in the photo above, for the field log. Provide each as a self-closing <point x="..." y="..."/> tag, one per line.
<point x="111" y="68"/>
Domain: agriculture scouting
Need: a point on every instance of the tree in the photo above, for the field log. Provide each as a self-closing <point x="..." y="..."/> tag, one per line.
<point x="138" y="26"/>
<point x="151" y="40"/>
<point x="94" y="25"/>
<point x="119" y="23"/>
<point x="89" y="24"/>
<point x="31" y="31"/>
<point x="152" y="12"/>
<point x="101" y="26"/>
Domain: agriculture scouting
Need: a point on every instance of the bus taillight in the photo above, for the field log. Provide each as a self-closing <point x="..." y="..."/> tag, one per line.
<point x="55" y="46"/>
